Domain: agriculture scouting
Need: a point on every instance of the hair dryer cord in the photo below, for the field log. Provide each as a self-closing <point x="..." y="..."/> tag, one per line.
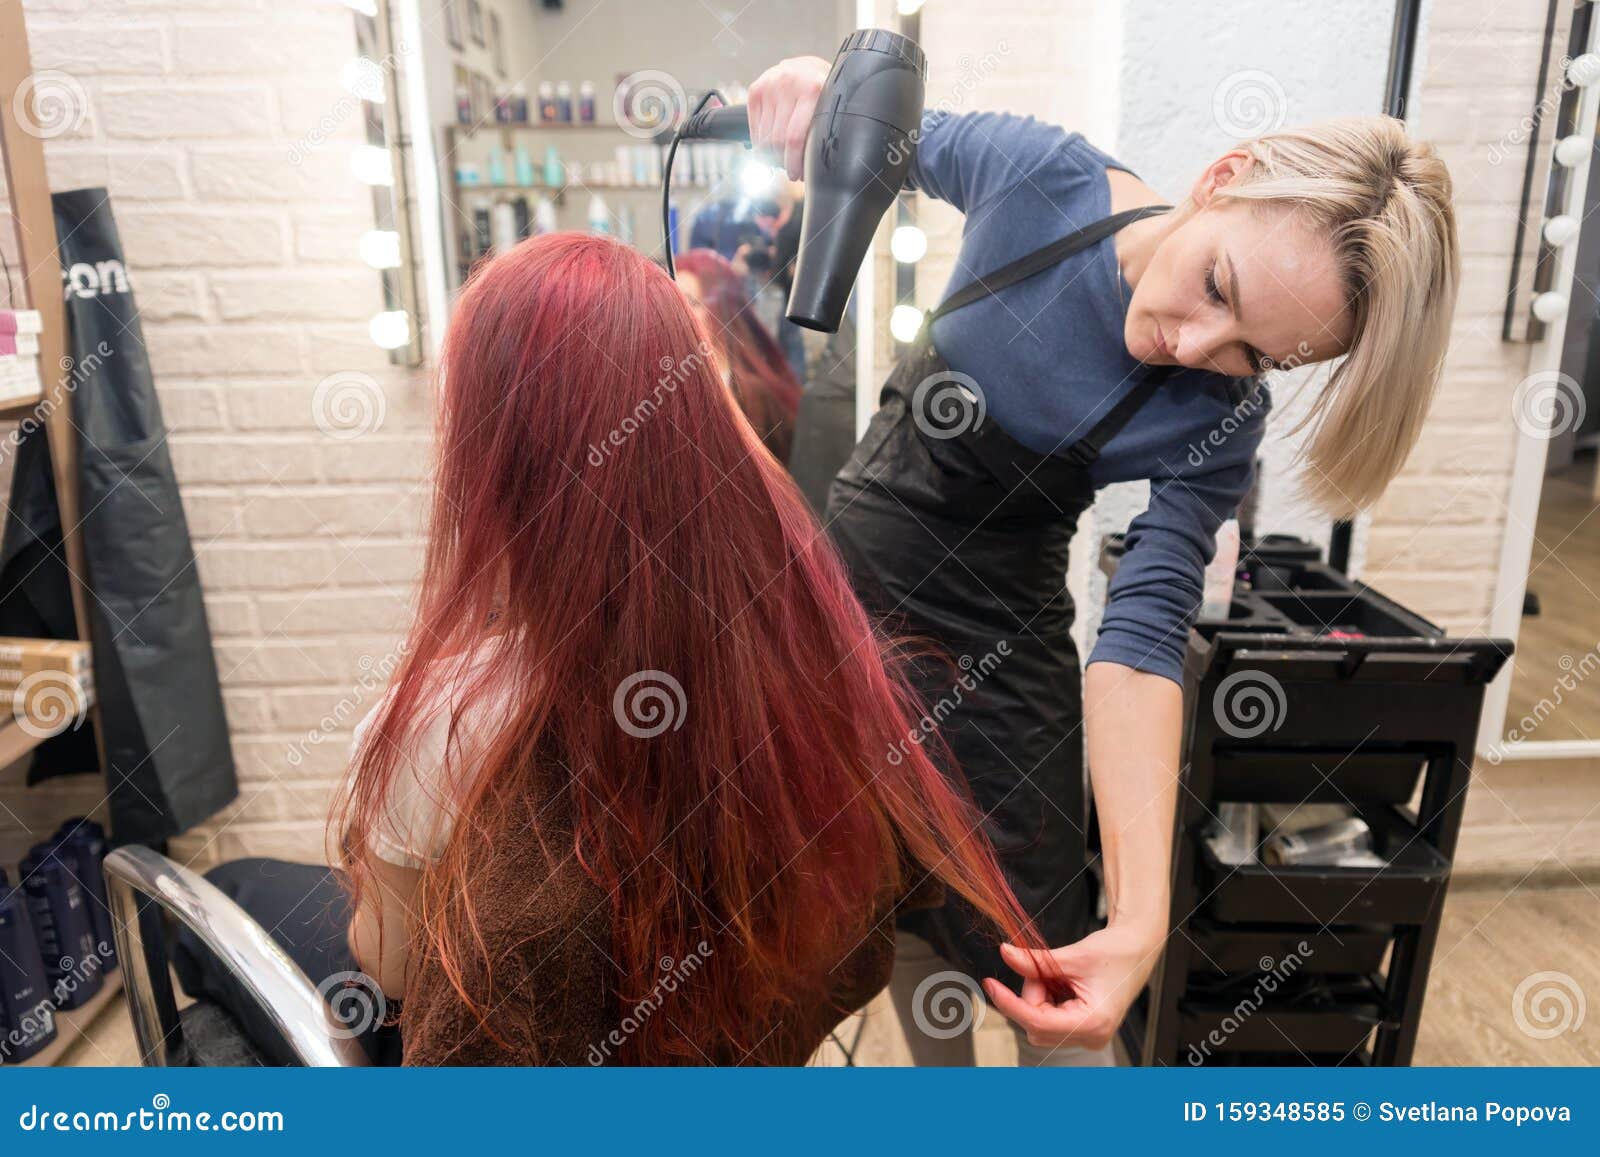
<point x="666" y="181"/>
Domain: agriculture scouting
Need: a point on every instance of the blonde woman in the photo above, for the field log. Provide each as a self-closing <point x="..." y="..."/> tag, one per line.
<point x="1096" y="332"/>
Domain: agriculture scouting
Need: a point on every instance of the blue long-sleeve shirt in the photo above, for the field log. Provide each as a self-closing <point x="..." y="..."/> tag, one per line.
<point x="1049" y="357"/>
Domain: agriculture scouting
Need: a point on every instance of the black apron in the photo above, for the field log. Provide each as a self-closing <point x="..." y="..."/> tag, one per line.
<point x="168" y="760"/>
<point x="956" y="533"/>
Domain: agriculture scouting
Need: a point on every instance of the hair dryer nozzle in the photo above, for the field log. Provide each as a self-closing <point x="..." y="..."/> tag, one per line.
<point x="862" y="142"/>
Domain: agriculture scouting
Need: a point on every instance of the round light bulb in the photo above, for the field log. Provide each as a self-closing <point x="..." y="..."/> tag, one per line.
<point x="755" y="179"/>
<point x="908" y="243"/>
<point x="390" y="329"/>
<point x="1561" y="229"/>
<point x="370" y="163"/>
<point x="380" y="248"/>
<point x="1584" y="70"/>
<point x="1550" y="306"/>
<point x="363" y="78"/>
<point x="1572" y="150"/>
<point x="904" y="322"/>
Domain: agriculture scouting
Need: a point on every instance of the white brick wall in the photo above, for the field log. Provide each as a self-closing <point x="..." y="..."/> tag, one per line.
<point x="245" y="270"/>
<point x="1435" y="538"/>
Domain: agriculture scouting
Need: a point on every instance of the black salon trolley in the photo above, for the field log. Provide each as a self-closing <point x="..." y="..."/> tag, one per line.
<point x="1315" y="689"/>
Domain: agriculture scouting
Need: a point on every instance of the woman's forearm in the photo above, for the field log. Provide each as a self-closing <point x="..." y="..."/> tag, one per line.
<point x="1134" y="724"/>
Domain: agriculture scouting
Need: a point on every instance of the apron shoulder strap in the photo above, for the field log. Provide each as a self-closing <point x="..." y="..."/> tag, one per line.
<point x="1086" y="449"/>
<point x="1043" y="258"/>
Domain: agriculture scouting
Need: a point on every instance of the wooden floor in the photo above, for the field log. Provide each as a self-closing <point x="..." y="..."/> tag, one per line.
<point x="1492" y="940"/>
<point x="1564" y="572"/>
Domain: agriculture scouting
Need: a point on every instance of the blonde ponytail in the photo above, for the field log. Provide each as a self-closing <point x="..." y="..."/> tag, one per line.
<point x="1384" y="201"/>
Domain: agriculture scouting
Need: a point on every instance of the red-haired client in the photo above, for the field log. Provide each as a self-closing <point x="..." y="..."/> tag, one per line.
<point x="646" y="785"/>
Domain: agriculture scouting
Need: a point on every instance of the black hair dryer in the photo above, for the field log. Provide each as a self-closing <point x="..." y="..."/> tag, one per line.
<point x="863" y="139"/>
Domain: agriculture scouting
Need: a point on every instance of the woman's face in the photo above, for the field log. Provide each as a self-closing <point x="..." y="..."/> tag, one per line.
<point x="1236" y="288"/>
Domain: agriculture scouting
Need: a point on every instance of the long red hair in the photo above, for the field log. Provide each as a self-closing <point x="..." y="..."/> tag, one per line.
<point x="763" y="382"/>
<point x="733" y="733"/>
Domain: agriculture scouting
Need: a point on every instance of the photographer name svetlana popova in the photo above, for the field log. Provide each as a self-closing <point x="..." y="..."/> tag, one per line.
<point x="1232" y="1112"/>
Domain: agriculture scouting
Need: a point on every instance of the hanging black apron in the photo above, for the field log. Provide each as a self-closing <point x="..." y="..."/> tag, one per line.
<point x="168" y="761"/>
<point x="956" y="533"/>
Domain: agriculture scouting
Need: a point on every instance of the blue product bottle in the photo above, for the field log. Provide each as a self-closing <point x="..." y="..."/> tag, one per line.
<point x="27" y="1013"/>
<point x="87" y="840"/>
<point x="552" y="167"/>
<point x="497" y="167"/>
<point x="524" y="170"/>
<point x="60" y="911"/>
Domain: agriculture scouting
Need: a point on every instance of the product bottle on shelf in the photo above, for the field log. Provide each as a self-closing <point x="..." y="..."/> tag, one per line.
<point x="88" y="840"/>
<point x="544" y="215"/>
<point x="552" y="167"/>
<point x="523" y="218"/>
<point x="599" y="216"/>
<point x="547" y="101"/>
<point x="61" y="919"/>
<point x="497" y="166"/>
<point x="524" y="167"/>
<point x="519" y="103"/>
<point x="27" y="1011"/>
<point x="564" y="101"/>
<point x="463" y="106"/>
<point x="586" y="102"/>
<point x="502" y="226"/>
<point x="481" y="238"/>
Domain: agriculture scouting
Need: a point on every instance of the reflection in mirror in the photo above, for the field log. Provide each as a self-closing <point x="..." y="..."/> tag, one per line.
<point x="544" y="118"/>
<point x="542" y="124"/>
<point x="1555" y="691"/>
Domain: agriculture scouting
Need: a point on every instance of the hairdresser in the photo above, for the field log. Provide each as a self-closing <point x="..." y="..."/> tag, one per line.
<point x="1093" y="332"/>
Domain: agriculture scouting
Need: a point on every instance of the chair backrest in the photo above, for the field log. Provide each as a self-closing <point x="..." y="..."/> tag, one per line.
<point x="141" y="884"/>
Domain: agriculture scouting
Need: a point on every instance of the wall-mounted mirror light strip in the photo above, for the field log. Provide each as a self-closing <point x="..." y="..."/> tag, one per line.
<point x="371" y="78"/>
<point x="1560" y="143"/>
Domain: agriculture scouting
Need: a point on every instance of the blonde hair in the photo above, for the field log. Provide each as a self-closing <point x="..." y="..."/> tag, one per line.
<point x="1384" y="201"/>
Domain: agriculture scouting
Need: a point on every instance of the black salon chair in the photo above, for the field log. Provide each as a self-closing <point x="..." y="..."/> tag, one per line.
<point x="145" y="890"/>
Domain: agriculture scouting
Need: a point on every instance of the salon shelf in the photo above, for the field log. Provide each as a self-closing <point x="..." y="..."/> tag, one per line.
<point x="542" y="126"/>
<point x="1244" y="948"/>
<point x="15" y="742"/>
<point x="71" y="1027"/>
<point x="1361" y="611"/>
<point x="1331" y="1016"/>
<point x="558" y="190"/>
<point x="14" y="408"/>
<point x="1302" y="775"/>
<point x="1407" y="890"/>
<point x="1266" y="577"/>
<point x="1315" y="689"/>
